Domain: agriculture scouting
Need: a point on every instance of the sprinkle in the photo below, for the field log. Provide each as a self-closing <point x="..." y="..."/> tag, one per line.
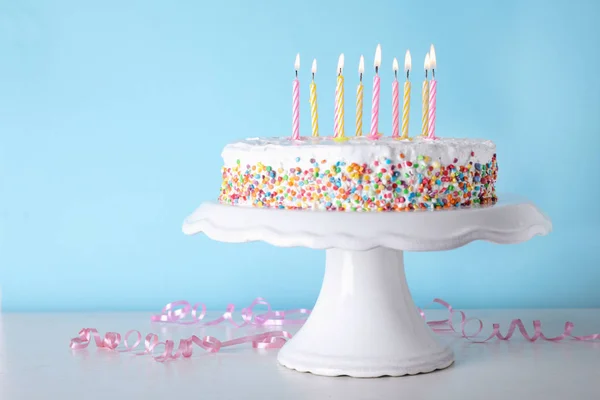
<point x="347" y="186"/>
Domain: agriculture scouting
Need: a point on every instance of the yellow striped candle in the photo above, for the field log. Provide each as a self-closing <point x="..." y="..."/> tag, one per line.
<point x="406" y="104"/>
<point x="359" y="98"/>
<point x="314" y="113"/>
<point x="432" y="94"/>
<point x="425" y="117"/>
<point x="339" y="101"/>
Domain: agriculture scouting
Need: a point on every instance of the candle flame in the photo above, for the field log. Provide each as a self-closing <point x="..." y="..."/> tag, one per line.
<point x="361" y="65"/>
<point x="341" y="63"/>
<point x="432" y="59"/>
<point x="314" y="66"/>
<point x="427" y="62"/>
<point x="377" y="62"/>
<point x="297" y="63"/>
<point x="395" y="65"/>
<point x="407" y="61"/>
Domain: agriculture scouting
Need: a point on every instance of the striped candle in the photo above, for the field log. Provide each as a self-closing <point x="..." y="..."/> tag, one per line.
<point x="296" y="102"/>
<point x="405" y="110"/>
<point x="375" y="108"/>
<point x="406" y="103"/>
<point x="395" y="106"/>
<point x="425" y="99"/>
<point x="339" y="101"/>
<point x="432" y="94"/>
<point x="432" y="101"/>
<point x="375" y="100"/>
<point x="314" y="113"/>
<point x="359" y="98"/>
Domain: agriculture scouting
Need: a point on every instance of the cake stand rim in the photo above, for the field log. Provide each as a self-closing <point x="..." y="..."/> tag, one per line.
<point x="527" y="221"/>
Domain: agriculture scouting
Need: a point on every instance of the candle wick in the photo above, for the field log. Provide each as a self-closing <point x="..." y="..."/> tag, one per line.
<point x="376" y="70"/>
<point x="360" y="77"/>
<point x="396" y="74"/>
<point x="313" y="76"/>
<point x="407" y="72"/>
<point x="425" y="74"/>
<point x="296" y="73"/>
<point x="433" y="73"/>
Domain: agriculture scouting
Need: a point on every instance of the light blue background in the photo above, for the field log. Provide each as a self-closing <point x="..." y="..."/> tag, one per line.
<point x="113" y="115"/>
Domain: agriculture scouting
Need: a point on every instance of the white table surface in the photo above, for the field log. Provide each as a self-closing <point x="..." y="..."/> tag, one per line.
<point x="37" y="363"/>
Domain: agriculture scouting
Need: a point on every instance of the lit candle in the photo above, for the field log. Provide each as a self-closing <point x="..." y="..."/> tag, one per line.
<point x="359" y="97"/>
<point x="406" y="104"/>
<point x="425" y="96"/>
<point x="296" y="102"/>
<point x="314" y="114"/>
<point x="395" y="108"/>
<point x="432" y="94"/>
<point x="375" y="101"/>
<point x="339" y="101"/>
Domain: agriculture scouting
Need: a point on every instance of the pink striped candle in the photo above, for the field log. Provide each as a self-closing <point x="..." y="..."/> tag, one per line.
<point x="374" y="134"/>
<point x="432" y="105"/>
<point x="296" y="102"/>
<point x="395" y="103"/>
<point x="432" y="95"/>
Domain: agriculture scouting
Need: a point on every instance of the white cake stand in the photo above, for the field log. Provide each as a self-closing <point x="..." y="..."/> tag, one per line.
<point x="364" y="323"/>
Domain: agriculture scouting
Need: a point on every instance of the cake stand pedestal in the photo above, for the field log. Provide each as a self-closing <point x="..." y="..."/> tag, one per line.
<point x="364" y="323"/>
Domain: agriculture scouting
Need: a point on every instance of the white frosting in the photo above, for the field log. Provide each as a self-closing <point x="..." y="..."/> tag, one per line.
<point x="396" y="173"/>
<point x="283" y="152"/>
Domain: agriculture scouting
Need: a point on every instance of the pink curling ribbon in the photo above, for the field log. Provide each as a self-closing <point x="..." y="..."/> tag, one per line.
<point x="182" y="312"/>
<point x="111" y="341"/>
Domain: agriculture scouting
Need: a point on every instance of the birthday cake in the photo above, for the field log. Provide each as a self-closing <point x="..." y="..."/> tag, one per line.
<point x="359" y="174"/>
<point x="362" y="173"/>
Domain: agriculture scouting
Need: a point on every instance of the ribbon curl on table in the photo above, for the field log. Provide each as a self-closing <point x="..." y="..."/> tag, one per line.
<point x="183" y="313"/>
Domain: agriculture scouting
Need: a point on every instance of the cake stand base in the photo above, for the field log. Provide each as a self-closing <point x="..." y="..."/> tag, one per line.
<point x="364" y="323"/>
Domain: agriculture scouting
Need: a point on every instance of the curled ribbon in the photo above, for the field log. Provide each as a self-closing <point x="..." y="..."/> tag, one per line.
<point x="111" y="341"/>
<point x="178" y="311"/>
<point x="182" y="312"/>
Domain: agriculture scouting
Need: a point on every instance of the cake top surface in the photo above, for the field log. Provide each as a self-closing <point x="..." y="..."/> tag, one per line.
<point x="359" y="149"/>
<point x="363" y="141"/>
